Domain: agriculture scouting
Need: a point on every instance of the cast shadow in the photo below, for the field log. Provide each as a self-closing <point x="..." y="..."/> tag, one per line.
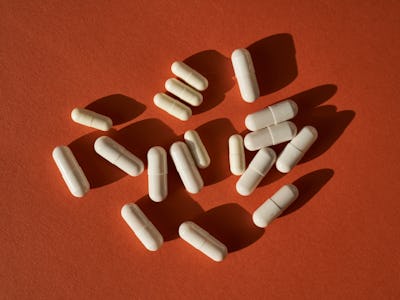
<point x="118" y="107"/>
<point x="274" y="60"/>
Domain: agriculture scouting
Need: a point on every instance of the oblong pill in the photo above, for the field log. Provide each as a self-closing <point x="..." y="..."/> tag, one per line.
<point x="237" y="159"/>
<point x="272" y="115"/>
<point x="186" y="167"/>
<point x="118" y="155"/>
<point x="172" y="106"/>
<point x="183" y="92"/>
<point x="295" y="150"/>
<point x="92" y="119"/>
<point x="157" y="171"/>
<point x="189" y="75"/>
<point x="245" y="75"/>
<point x="256" y="171"/>
<point x="71" y="172"/>
<point x="271" y="135"/>
<point x="274" y="206"/>
<point x="141" y="226"/>
<point x="197" y="149"/>
<point x="201" y="240"/>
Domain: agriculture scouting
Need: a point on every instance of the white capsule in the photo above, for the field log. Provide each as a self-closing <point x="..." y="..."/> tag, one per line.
<point x="118" y="155"/>
<point x="197" y="149"/>
<point x="274" y="206"/>
<point x="272" y="115"/>
<point x="172" y="106"/>
<point x="186" y="167"/>
<point x="245" y="75"/>
<point x="271" y="135"/>
<point x="70" y="170"/>
<point x="295" y="150"/>
<point x="201" y="240"/>
<point x="183" y="92"/>
<point x="141" y="226"/>
<point x="256" y="171"/>
<point x="157" y="171"/>
<point x="237" y="160"/>
<point x="92" y="119"/>
<point x="189" y="75"/>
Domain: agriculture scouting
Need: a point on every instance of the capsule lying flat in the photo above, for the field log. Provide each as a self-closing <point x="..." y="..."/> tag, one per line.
<point x="237" y="160"/>
<point x="201" y="240"/>
<point x="272" y="115"/>
<point x="197" y="149"/>
<point x="92" y="119"/>
<point x="118" y="155"/>
<point x="71" y="172"/>
<point x="189" y="75"/>
<point x="256" y="171"/>
<point x="183" y="92"/>
<point x="274" y="206"/>
<point x="295" y="150"/>
<point x="157" y="171"/>
<point x="186" y="167"/>
<point x="245" y="75"/>
<point x="141" y="226"/>
<point x="269" y="136"/>
<point x="172" y="106"/>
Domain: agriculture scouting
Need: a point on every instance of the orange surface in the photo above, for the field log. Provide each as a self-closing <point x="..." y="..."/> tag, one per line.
<point x="339" y="62"/>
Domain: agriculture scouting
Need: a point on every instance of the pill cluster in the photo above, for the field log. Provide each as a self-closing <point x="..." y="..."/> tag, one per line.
<point x="268" y="127"/>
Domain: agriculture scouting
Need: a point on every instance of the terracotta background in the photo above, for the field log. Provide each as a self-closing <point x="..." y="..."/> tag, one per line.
<point x="339" y="60"/>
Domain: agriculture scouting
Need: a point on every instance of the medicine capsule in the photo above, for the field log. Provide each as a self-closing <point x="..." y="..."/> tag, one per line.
<point x="274" y="206"/>
<point x="245" y="75"/>
<point x="186" y="167"/>
<point x="295" y="150"/>
<point x="141" y="226"/>
<point x="183" y="92"/>
<point x="200" y="239"/>
<point x="92" y="119"/>
<point x="197" y="149"/>
<point x="271" y="135"/>
<point x="157" y="171"/>
<point x="118" y="155"/>
<point x="237" y="160"/>
<point x="172" y="106"/>
<point x="256" y="171"/>
<point x="272" y="115"/>
<point x="70" y="170"/>
<point x="189" y="75"/>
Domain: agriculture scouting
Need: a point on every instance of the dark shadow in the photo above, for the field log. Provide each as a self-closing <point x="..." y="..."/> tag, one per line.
<point x="230" y="224"/>
<point x="219" y="72"/>
<point x="118" y="107"/>
<point x="309" y="185"/>
<point x="274" y="60"/>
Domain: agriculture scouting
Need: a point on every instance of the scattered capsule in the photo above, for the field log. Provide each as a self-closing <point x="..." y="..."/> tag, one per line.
<point x="189" y="75"/>
<point x="237" y="160"/>
<point x="197" y="148"/>
<point x="157" y="171"/>
<point x="92" y="119"/>
<point x="183" y="92"/>
<point x="172" y="106"/>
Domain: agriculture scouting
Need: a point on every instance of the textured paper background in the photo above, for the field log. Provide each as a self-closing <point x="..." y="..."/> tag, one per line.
<point x="340" y="62"/>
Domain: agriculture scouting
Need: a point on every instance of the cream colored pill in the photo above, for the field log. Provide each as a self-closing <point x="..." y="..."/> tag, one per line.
<point x="245" y="75"/>
<point x="172" y="106"/>
<point x="183" y="92"/>
<point x="201" y="240"/>
<point x="274" y="206"/>
<point x="271" y="135"/>
<point x="92" y="119"/>
<point x="237" y="160"/>
<point x="197" y="149"/>
<point x="295" y="150"/>
<point x="118" y="155"/>
<point x="186" y="167"/>
<point x="256" y="171"/>
<point x="157" y="171"/>
<point x="272" y="115"/>
<point x="141" y="226"/>
<point x="189" y="75"/>
<point x="70" y="170"/>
